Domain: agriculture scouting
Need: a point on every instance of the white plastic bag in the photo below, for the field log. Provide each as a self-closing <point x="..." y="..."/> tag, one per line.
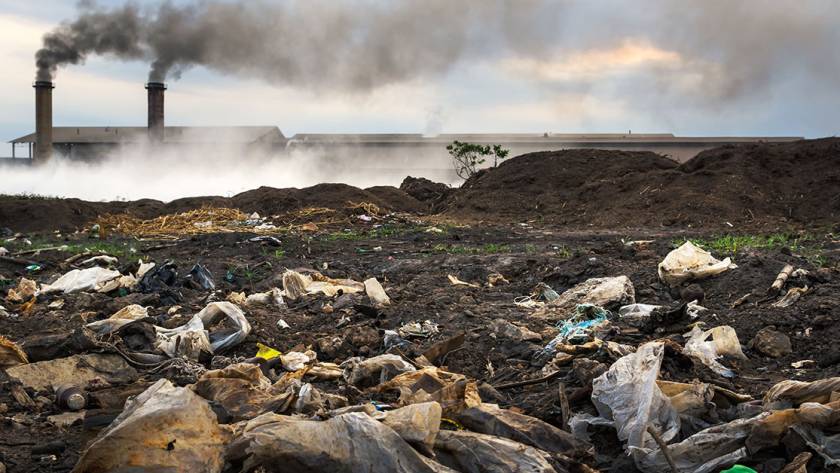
<point x="376" y="293"/>
<point x="628" y="395"/>
<point x="690" y="262"/>
<point x="81" y="280"/>
<point x="712" y="344"/>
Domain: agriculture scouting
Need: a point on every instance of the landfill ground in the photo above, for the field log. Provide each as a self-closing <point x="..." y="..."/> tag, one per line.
<point x="445" y="270"/>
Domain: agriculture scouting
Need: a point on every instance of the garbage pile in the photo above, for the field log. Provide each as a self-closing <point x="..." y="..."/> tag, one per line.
<point x="170" y="388"/>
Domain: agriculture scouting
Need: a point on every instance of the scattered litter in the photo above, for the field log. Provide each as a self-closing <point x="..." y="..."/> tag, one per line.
<point x="77" y="369"/>
<point x="609" y="293"/>
<point x="791" y="297"/>
<point x="102" y="260"/>
<point x="191" y="339"/>
<point x="90" y="279"/>
<point x="457" y="282"/>
<point x="296" y="285"/>
<point x="418" y="330"/>
<point x="690" y="262"/>
<point x="200" y="277"/>
<point x="25" y="290"/>
<point x="376" y="293"/>
<point x="11" y="354"/>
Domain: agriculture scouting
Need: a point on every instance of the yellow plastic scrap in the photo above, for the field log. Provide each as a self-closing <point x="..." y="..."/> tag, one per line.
<point x="266" y="352"/>
<point x="11" y="354"/>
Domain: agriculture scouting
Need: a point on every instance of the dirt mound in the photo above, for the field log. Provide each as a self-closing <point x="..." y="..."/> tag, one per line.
<point x="753" y="184"/>
<point x="424" y="190"/>
<point x="35" y="214"/>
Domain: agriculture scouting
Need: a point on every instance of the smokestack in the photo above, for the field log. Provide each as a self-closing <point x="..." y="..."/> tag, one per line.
<point x="156" y="90"/>
<point x="43" y="121"/>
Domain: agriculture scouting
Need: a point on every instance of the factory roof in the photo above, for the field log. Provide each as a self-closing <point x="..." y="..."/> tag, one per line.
<point x="512" y="138"/>
<point x="173" y="134"/>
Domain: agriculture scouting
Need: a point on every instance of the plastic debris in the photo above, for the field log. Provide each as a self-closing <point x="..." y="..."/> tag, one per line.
<point x="690" y="262"/>
<point x="418" y="330"/>
<point x="25" y="290"/>
<point x="791" y="297"/>
<point x="710" y="345"/>
<point x="11" y="354"/>
<point x="376" y="293"/>
<point x="457" y="282"/>
<point x="372" y="371"/>
<point x="609" y="293"/>
<point x="200" y="277"/>
<point x="628" y="397"/>
<point x="192" y="338"/>
<point x="166" y="428"/>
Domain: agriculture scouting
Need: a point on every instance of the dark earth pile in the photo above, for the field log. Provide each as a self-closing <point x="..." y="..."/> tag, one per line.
<point x="753" y="184"/>
<point x="749" y="186"/>
<point x="40" y="214"/>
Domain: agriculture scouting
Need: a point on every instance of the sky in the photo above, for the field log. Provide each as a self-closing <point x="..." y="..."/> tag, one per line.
<point x="691" y="68"/>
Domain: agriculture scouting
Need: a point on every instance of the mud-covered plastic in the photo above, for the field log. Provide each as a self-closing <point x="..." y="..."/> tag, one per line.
<point x="166" y="428"/>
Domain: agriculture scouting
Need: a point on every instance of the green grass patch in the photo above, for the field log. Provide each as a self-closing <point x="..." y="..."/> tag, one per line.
<point x="804" y="245"/>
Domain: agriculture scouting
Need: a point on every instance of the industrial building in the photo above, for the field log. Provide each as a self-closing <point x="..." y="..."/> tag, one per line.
<point x="397" y="151"/>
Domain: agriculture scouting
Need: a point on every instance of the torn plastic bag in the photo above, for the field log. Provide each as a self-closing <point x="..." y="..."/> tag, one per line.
<point x="376" y="293"/>
<point x="707" y="451"/>
<point x="243" y="391"/>
<point x="81" y="370"/>
<point x="454" y="392"/>
<point x="24" y="291"/>
<point x="690" y="262"/>
<point x="271" y="297"/>
<point x="628" y="395"/>
<point x="194" y="337"/>
<point x="576" y="329"/>
<point x="165" y="428"/>
<point x="609" y="293"/>
<point x="296" y="284"/>
<point x="636" y="315"/>
<point x="372" y="371"/>
<point x="826" y="446"/>
<point x="710" y="345"/>
<point x="162" y="280"/>
<point x="89" y="279"/>
<point x="124" y="316"/>
<point x="791" y="393"/>
<point x="348" y="443"/>
<point x="470" y="452"/>
<point x="200" y="277"/>
<point x="491" y="420"/>
<point x="10" y="354"/>
<point x="769" y="430"/>
<point x="417" y="424"/>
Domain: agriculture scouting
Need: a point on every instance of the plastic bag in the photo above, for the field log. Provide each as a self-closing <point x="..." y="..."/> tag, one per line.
<point x="690" y="262"/>
<point x="491" y="420"/>
<point x="724" y="342"/>
<point x="609" y="293"/>
<point x="792" y="393"/>
<point x="81" y="280"/>
<point x="372" y="371"/>
<point x="193" y="337"/>
<point x="636" y="314"/>
<point x="376" y="293"/>
<point x="165" y="428"/>
<point x="347" y="443"/>
<point x="628" y="395"/>
<point x="477" y="453"/>
<point x="417" y="424"/>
